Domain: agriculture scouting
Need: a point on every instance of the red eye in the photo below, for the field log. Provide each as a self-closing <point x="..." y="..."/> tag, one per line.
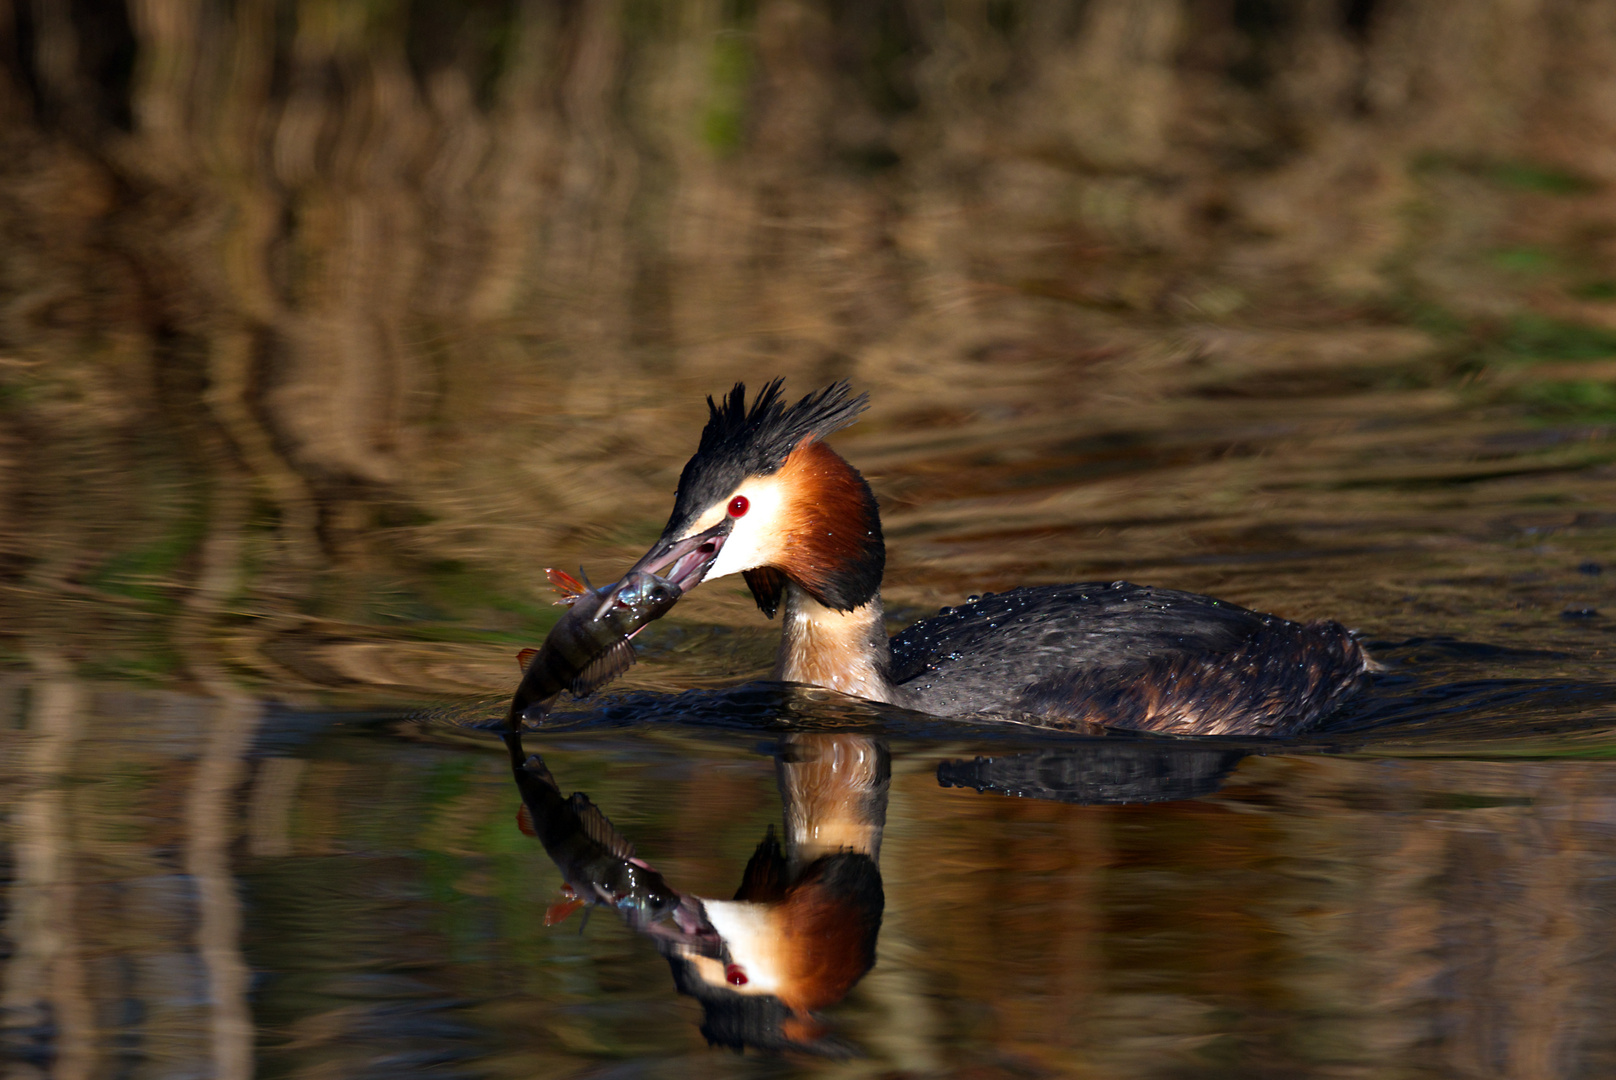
<point x="734" y="975"/>
<point x="738" y="506"/>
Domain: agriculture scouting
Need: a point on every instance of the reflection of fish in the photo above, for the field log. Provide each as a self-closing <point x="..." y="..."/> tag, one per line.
<point x="589" y="647"/>
<point x="597" y="863"/>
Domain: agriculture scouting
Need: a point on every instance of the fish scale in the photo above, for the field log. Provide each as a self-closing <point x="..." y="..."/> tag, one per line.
<point x="589" y="646"/>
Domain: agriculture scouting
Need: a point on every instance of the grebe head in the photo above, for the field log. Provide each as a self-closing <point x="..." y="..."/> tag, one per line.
<point x="789" y="950"/>
<point x="765" y="497"/>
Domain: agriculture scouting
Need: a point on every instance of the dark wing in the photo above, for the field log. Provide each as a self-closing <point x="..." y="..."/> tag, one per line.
<point x="1129" y="656"/>
<point x="1019" y="636"/>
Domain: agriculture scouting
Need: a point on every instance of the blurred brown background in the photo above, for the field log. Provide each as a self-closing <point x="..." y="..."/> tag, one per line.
<point x="365" y="312"/>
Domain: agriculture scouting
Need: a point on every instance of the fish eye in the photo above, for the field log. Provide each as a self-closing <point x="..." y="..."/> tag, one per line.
<point x="734" y="975"/>
<point x="738" y="506"/>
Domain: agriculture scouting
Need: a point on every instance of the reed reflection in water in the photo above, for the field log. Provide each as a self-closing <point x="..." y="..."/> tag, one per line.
<point x="385" y="914"/>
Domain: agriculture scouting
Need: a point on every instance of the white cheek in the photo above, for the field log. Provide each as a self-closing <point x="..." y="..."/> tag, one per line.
<point x="750" y="939"/>
<point x="706" y="521"/>
<point x="755" y="539"/>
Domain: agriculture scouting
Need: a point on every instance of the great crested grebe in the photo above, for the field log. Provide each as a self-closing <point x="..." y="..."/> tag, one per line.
<point x="764" y="496"/>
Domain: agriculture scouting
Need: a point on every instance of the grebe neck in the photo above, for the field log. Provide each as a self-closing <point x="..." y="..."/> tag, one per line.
<point x="846" y="651"/>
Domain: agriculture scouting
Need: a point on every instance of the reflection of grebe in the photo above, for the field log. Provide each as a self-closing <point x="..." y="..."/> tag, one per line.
<point x="802" y="928"/>
<point x="765" y="497"/>
<point x="800" y="931"/>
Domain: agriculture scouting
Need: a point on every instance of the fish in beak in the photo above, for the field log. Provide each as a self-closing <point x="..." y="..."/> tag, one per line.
<point x="685" y="562"/>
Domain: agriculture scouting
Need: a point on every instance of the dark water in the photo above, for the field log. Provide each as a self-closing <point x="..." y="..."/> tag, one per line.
<point x="1440" y="902"/>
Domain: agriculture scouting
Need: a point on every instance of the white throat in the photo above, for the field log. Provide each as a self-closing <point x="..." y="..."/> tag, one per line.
<point x="846" y="651"/>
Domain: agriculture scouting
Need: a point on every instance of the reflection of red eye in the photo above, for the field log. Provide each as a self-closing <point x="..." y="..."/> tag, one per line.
<point x="738" y="506"/>
<point x="733" y="973"/>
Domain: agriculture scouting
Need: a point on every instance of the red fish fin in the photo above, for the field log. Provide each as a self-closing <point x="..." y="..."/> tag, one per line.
<point x="524" y="821"/>
<point x="603" y="669"/>
<point x="564" y="583"/>
<point x="558" y="911"/>
<point x="598" y="828"/>
<point x="525" y="657"/>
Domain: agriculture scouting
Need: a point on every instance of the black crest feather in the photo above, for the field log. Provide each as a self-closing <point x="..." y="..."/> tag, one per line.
<point x="739" y="442"/>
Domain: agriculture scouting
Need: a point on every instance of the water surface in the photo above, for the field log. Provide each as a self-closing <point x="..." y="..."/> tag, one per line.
<point x="228" y="873"/>
<point x="325" y="328"/>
